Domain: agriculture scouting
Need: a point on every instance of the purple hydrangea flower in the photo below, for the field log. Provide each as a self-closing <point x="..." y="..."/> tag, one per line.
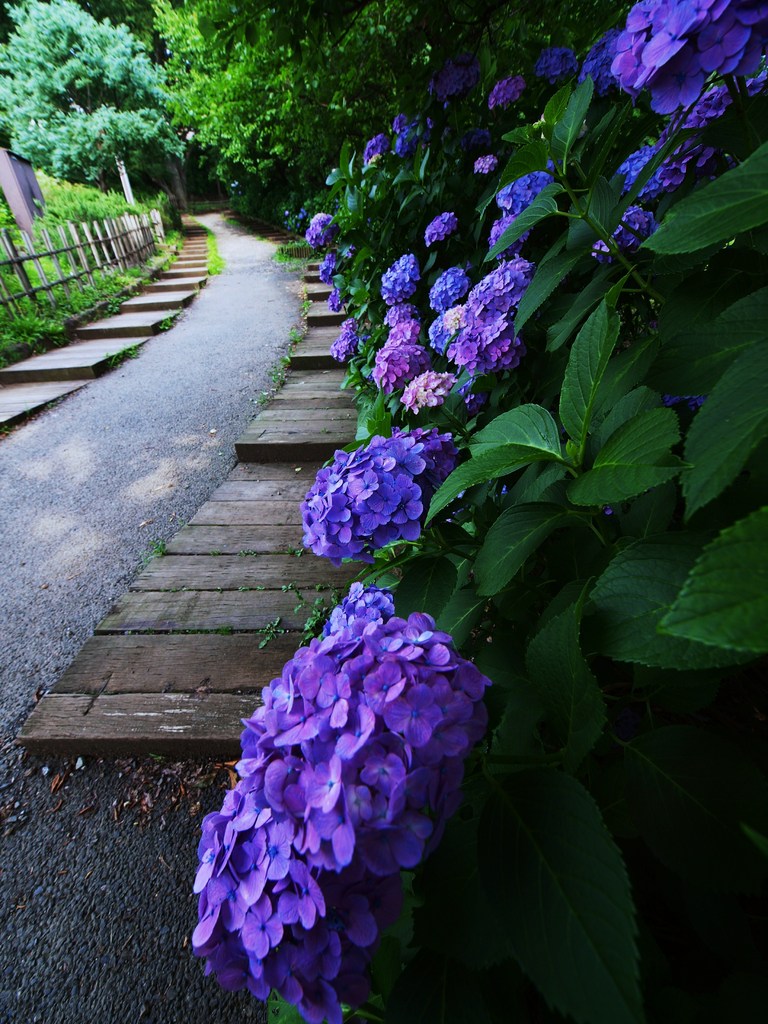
<point x="670" y="47"/>
<point x="497" y="230"/>
<point x="636" y="225"/>
<point x="473" y="402"/>
<point x="448" y="289"/>
<point x="486" y="164"/>
<point x="349" y="772"/>
<point x="519" y="194"/>
<point x="427" y="390"/>
<point x="456" y="78"/>
<point x="363" y="604"/>
<point x="402" y="311"/>
<point x="321" y="231"/>
<point x="597" y="63"/>
<point x="475" y="138"/>
<point x="347" y="343"/>
<point x="334" y="301"/>
<point x="506" y="92"/>
<point x="440" y="228"/>
<point x="693" y="402"/>
<point x="375" y="147"/>
<point x="486" y="342"/>
<point x="397" y="363"/>
<point x="409" y="133"/>
<point x="404" y="332"/>
<point x="399" y="282"/>
<point x="556" y="63"/>
<point x="375" y="495"/>
<point x="328" y="268"/>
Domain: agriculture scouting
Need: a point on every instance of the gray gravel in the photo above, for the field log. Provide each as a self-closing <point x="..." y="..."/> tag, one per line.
<point x="95" y="903"/>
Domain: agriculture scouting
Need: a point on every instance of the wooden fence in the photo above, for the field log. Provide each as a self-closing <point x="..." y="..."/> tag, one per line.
<point x="81" y="252"/>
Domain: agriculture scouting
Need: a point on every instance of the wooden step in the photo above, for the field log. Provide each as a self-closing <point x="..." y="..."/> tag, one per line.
<point x="321" y="316"/>
<point x="238" y="572"/>
<point x="171" y="275"/>
<point x="166" y="300"/>
<point x="175" y="285"/>
<point x="234" y="540"/>
<point x="73" y="364"/>
<point x="18" y="400"/>
<point x="127" y="325"/>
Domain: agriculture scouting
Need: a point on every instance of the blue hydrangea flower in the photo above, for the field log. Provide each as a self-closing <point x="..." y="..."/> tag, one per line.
<point x="448" y="289"/>
<point x="349" y="772"/>
<point x="398" y="283"/>
<point x="348" y="342"/>
<point x="334" y="301"/>
<point x="636" y="225"/>
<point x="363" y="604"/>
<point x="597" y="63"/>
<point x="328" y="268"/>
<point x="456" y="78"/>
<point x="401" y="311"/>
<point x="519" y="194"/>
<point x="556" y="63"/>
<point x="375" y="495"/>
<point x="486" y="164"/>
<point x="440" y="228"/>
<point x="408" y="134"/>
<point x="632" y="167"/>
<point x="375" y="147"/>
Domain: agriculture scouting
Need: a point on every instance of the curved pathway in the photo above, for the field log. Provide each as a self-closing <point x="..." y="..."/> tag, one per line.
<point x="96" y="910"/>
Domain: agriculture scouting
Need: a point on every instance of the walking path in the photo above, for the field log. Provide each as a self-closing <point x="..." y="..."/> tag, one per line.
<point x="32" y="383"/>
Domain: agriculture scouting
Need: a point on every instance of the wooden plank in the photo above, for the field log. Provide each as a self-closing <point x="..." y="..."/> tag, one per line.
<point x="299" y="418"/>
<point x="244" y="612"/>
<point x="275" y="471"/>
<point x="272" y="445"/>
<point x="231" y="540"/>
<point x="280" y="512"/>
<point x="19" y="399"/>
<point x="292" y="489"/>
<point x="290" y="400"/>
<point x="181" y="724"/>
<point x="127" y="324"/>
<point x="231" y="572"/>
<point x="177" y="662"/>
<point x="322" y="317"/>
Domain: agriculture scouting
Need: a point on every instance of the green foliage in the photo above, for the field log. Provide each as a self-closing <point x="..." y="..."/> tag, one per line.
<point x="77" y="94"/>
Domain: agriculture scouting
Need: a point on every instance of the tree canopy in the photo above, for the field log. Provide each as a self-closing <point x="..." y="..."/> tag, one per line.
<point x="76" y="94"/>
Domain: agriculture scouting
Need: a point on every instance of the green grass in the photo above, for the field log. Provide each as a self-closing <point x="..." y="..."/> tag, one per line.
<point x="130" y="352"/>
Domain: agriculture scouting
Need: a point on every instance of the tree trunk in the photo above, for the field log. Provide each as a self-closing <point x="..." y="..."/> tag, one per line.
<point x="177" y="181"/>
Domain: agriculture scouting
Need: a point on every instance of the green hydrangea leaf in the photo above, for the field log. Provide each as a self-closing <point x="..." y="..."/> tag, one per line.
<point x="514" y="536"/>
<point x="559" y="881"/>
<point x="724" y="600"/>
<point x="426" y="586"/>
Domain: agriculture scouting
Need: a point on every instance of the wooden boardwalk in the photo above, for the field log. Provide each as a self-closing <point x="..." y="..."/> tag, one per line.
<point x="182" y="656"/>
<point x="32" y="383"/>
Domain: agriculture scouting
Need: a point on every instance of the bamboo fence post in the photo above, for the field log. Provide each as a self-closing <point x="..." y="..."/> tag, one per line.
<point x="100" y="234"/>
<point x="54" y="256"/>
<point x="17" y="263"/>
<point x="91" y="244"/>
<point x="30" y="247"/>
<point x="80" y="251"/>
<point x="74" y="272"/>
<point x="118" y="260"/>
<point x="7" y="299"/>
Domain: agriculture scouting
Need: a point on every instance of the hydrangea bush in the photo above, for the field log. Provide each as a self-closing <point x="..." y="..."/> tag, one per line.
<point x="561" y="458"/>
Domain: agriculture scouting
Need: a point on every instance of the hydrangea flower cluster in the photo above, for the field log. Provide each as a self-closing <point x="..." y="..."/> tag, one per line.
<point x="506" y="92"/>
<point x="404" y="332"/>
<point x="427" y="390"/>
<point x="497" y="230"/>
<point x="519" y="194"/>
<point x="671" y="47"/>
<point x="486" y="164"/>
<point x="632" y="167"/>
<point x="456" y="78"/>
<point x="448" y="289"/>
<point x="398" y="283"/>
<point x="636" y="225"/>
<point x="375" y="495"/>
<point x="349" y="772"/>
<point x="556" y="63"/>
<point x="397" y="363"/>
<point x="327" y="268"/>
<point x="402" y="311"/>
<point x="486" y="342"/>
<point x="334" y="301"/>
<point x="475" y="138"/>
<point x="321" y="231"/>
<point x="597" y="63"/>
<point x="693" y="402"/>
<point x="347" y="343"/>
<point x="375" y="147"/>
<point x="444" y="327"/>
<point x="363" y="604"/>
<point x="473" y="402"/>
<point x="440" y="228"/>
<point x="408" y="133"/>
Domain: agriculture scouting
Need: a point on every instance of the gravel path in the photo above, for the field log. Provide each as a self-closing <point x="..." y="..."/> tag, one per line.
<point x="95" y="903"/>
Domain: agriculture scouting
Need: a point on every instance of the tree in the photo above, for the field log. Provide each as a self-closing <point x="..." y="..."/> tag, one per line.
<point x="79" y="95"/>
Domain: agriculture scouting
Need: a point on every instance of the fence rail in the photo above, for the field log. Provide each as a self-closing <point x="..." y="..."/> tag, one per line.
<point x="101" y="248"/>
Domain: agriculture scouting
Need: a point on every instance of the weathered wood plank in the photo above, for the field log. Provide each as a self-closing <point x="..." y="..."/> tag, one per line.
<point x="248" y="513"/>
<point x="231" y="540"/>
<point x="178" y="663"/>
<point x="260" y="490"/>
<point x="230" y="572"/>
<point x="205" y="610"/>
<point x="278" y="471"/>
<point x="178" y="724"/>
<point x="18" y="399"/>
<point x="267" y="445"/>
